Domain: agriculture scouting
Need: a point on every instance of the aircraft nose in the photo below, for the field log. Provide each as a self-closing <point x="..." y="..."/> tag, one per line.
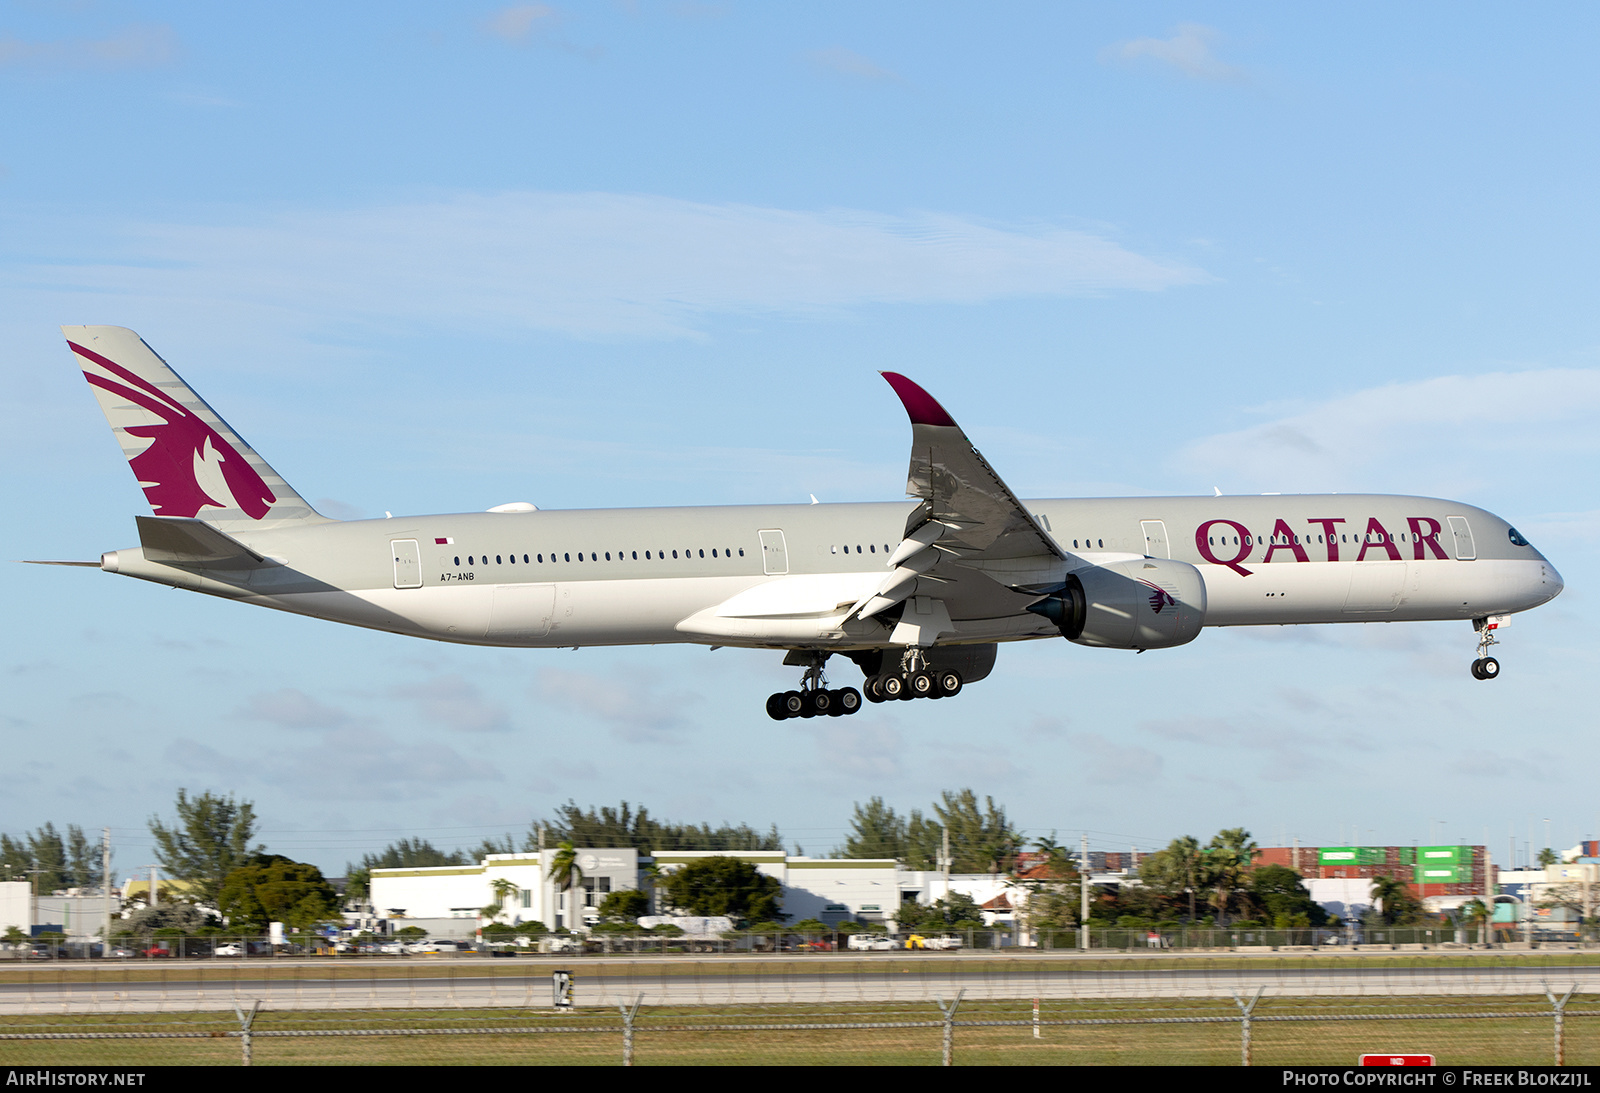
<point x="1554" y="580"/>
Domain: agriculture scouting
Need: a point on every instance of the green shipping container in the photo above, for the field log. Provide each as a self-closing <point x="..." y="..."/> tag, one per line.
<point x="1442" y="874"/>
<point x="1444" y="855"/>
<point x="1351" y="855"/>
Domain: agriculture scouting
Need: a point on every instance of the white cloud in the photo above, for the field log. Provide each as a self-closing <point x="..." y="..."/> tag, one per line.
<point x="1105" y="762"/>
<point x="847" y="62"/>
<point x="637" y="710"/>
<point x="1447" y="434"/>
<point x="1188" y="51"/>
<point x="356" y="763"/>
<point x="586" y="264"/>
<point x="293" y="709"/>
<point x="133" y="47"/>
<point x="863" y="748"/>
<point x="519" y="21"/>
<point x="457" y="704"/>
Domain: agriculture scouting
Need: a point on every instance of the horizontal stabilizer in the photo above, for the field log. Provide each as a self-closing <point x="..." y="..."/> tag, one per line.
<point x="193" y="544"/>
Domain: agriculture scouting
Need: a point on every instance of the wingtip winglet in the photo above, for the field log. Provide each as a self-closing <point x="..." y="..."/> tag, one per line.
<point x="921" y="407"/>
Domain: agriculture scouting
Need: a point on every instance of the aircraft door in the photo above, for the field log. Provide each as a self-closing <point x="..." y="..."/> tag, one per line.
<point x="407" y="563"/>
<point x="774" y="555"/>
<point x="1466" y="551"/>
<point x="1155" y="539"/>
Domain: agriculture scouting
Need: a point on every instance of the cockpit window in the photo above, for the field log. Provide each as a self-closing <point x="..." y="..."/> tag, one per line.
<point x="1516" y="537"/>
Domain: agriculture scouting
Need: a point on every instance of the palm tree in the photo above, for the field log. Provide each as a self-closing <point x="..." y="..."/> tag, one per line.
<point x="565" y="872"/>
<point x="1394" y="897"/>
<point x="503" y="890"/>
<point x="1231" y="854"/>
<point x="1188" y="861"/>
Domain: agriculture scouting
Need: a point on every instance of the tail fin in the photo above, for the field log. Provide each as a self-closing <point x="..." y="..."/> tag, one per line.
<point x="186" y="458"/>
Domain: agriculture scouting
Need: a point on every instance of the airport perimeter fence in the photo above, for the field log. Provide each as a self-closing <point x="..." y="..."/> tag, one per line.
<point x="1127" y="939"/>
<point x="1492" y="1010"/>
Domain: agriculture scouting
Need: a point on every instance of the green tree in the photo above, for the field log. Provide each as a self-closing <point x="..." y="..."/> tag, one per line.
<point x="625" y="904"/>
<point x="568" y="877"/>
<point x="273" y="888"/>
<point x="982" y="840"/>
<point x="1229" y="856"/>
<point x="503" y="890"/>
<point x="1547" y="857"/>
<point x="875" y="832"/>
<point x="624" y="827"/>
<point x="410" y="854"/>
<point x="725" y="885"/>
<point x="210" y="839"/>
<point x="1396" y="904"/>
<point x="957" y="911"/>
<point x="1182" y="869"/>
<point x="1475" y="914"/>
<point x="1282" y="895"/>
<point x="181" y="918"/>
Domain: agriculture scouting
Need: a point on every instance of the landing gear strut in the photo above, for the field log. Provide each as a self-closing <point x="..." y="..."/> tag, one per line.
<point x="914" y="680"/>
<point x="1486" y="667"/>
<point x="813" y="699"/>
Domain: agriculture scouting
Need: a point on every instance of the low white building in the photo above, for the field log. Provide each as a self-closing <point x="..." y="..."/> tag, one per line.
<point x="448" y="900"/>
<point x="829" y="890"/>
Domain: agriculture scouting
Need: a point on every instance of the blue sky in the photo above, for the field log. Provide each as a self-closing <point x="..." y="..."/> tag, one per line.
<point x="436" y="259"/>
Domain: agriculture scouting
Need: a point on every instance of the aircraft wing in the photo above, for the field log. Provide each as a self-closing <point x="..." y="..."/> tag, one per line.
<point x="980" y="514"/>
<point x="971" y="539"/>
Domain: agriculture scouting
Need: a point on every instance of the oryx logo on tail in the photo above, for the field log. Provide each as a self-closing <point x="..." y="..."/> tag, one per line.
<point x="183" y="449"/>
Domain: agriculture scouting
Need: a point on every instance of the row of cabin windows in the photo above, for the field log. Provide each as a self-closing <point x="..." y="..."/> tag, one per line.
<point x="593" y="556"/>
<point x="872" y="548"/>
<point x="1284" y="539"/>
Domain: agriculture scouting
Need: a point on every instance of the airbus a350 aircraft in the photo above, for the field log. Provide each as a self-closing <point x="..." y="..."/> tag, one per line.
<point x="917" y="593"/>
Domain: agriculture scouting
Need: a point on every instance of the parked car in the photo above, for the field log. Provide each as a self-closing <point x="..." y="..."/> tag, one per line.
<point x="229" y="949"/>
<point x="871" y="943"/>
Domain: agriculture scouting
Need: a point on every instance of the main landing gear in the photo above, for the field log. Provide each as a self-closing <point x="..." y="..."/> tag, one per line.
<point x="813" y="699"/>
<point x="913" y="680"/>
<point x="1486" y="667"/>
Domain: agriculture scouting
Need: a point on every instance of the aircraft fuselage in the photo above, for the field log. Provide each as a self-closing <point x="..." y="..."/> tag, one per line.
<point x="639" y="576"/>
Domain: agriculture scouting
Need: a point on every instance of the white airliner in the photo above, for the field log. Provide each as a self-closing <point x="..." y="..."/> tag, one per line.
<point x="917" y="593"/>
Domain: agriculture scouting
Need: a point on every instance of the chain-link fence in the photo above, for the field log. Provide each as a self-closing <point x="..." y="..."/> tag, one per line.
<point x="170" y="946"/>
<point x="1250" y="1030"/>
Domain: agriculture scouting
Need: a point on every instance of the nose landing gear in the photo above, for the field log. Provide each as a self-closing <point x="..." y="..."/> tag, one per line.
<point x="1486" y="667"/>
<point x="813" y="699"/>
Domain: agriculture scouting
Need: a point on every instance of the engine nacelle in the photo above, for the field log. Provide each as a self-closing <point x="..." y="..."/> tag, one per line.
<point x="1152" y="603"/>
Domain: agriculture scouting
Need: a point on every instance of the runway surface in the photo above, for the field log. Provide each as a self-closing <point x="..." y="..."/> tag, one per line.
<point x="482" y="984"/>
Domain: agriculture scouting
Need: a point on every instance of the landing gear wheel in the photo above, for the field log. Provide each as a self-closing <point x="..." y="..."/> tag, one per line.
<point x="847" y="702"/>
<point x="871" y="690"/>
<point x="892" y="687"/>
<point x="822" y="703"/>
<point x="921" y="684"/>
<point x="794" y="704"/>
<point x="949" y="683"/>
<point x="1477" y="668"/>
<point x="1488" y="668"/>
<point x="775" y="708"/>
